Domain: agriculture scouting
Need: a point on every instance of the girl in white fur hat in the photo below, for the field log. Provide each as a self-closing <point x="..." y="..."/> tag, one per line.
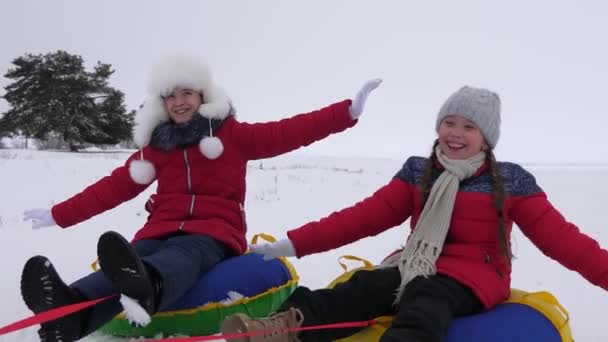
<point x="194" y="147"/>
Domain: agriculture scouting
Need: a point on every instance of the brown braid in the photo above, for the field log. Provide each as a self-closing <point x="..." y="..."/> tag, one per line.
<point x="498" y="196"/>
<point x="430" y="173"/>
<point x="499" y="199"/>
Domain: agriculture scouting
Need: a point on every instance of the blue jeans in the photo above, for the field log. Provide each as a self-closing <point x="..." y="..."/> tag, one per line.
<point x="179" y="260"/>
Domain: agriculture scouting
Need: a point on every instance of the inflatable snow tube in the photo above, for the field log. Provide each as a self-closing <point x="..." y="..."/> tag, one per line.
<point x="245" y="283"/>
<point x="525" y="317"/>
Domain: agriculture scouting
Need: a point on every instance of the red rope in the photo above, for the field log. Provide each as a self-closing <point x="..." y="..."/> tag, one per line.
<point x="63" y="311"/>
<point x="50" y="315"/>
<point x="359" y="324"/>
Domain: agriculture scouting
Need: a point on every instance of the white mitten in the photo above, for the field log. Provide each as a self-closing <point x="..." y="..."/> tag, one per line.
<point x="356" y="107"/>
<point x="281" y="248"/>
<point x="40" y="218"/>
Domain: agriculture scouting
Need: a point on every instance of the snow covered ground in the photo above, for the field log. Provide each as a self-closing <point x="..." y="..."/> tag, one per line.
<point x="283" y="193"/>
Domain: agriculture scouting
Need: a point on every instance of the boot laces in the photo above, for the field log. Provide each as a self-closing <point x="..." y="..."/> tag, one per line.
<point x="278" y="323"/>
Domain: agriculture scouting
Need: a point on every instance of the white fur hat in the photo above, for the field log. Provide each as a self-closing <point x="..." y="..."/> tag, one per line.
<point x="186" y="71"/>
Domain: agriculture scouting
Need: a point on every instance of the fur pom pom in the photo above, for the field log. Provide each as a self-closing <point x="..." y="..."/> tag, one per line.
<point x="134" y="313"/>
<point x="142" y="171"/>
<point x="211" y="147"/>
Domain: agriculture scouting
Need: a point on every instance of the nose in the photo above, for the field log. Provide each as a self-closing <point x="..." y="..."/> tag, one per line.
<point x="455" y="132"/>
<point x="179" y="100"/>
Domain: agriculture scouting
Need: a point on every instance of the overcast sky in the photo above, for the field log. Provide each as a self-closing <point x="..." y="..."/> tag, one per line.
<point x="546" y="58"/>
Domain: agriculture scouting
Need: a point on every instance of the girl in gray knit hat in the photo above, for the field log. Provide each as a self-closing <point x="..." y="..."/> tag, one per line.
<point x="462" y="204"/>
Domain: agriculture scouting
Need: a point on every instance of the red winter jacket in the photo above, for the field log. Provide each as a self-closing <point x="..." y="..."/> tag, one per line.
<point x="199" y="195"/>
<point x="471" y="253"/>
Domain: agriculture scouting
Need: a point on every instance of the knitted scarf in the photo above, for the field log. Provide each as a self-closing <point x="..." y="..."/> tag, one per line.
<point x="426" y="242"/>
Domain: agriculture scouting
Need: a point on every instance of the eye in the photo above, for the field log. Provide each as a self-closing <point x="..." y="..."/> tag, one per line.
<point x="470" y="127"/>
<point x="170" y="96"/>
<point x="188" y="92"/>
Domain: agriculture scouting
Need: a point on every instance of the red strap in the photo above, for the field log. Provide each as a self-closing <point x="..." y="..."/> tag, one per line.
<point x="63" y="311"/>
<point x="360" y="324"/>
<point x="50" y="315"/>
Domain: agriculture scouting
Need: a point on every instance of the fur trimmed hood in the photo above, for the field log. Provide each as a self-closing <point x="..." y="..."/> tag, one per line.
<point x="178" y="71"/>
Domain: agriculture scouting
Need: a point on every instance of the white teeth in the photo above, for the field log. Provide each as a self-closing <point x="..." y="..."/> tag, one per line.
<point x="452" y="145"/>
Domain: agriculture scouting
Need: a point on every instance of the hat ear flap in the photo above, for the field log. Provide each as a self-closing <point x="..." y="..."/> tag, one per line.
<point x="216" y="104"/>
<point x="151" y="113"/>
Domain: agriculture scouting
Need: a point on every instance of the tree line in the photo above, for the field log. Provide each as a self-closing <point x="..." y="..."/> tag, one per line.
<point x="54" y="96"/>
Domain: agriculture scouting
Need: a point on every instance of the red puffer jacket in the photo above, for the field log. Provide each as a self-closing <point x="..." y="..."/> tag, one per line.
<point x="471" y="253"/>
<point x="199" y="195"/>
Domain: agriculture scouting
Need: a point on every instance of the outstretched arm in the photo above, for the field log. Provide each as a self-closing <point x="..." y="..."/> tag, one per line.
<point x="388" y="207"/>
<point x="265" y="140"/>
<point x="103" y="195"/>
<point x="559" y="239"/>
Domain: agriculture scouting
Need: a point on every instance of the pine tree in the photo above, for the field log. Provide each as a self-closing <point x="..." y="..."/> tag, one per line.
<point x="54" y="94"/>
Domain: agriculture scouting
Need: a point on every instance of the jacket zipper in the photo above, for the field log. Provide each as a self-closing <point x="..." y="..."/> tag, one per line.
<point x="243" y="216"/>
<point x="189" y="185"/>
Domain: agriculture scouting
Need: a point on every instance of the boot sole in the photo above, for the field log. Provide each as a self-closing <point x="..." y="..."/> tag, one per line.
<point x="38" y="274"/>
<point x="40" y="286"/>
<point x="121" y="264"/>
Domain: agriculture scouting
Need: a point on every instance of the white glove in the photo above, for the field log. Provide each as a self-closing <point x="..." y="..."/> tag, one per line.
<point x="281" y="248"/>
<point x="356" y="107"/>
<point x="40" y="218"/>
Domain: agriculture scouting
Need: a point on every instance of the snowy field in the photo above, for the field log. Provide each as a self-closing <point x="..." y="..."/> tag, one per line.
<point x="283" y="193"/>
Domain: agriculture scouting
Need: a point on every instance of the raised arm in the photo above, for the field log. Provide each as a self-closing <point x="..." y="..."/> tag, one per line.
<point x="265" y="140"/>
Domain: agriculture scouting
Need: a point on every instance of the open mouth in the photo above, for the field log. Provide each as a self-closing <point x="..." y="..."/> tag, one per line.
<point x="455" y="146"/>
<point x="181" y="111"/>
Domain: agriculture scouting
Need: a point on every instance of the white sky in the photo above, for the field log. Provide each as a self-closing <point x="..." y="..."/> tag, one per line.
<point x="546" y="58"/>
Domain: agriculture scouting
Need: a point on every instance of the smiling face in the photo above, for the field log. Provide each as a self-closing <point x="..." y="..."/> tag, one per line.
<point x="460" y="138"/>
<point x="182" y="104"/>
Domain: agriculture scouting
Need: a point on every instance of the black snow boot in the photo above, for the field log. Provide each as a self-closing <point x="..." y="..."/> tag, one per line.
<point x="42" y="289"/>
<point x="122" y="265"/>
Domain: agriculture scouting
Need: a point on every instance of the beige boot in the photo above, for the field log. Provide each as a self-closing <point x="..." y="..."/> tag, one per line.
<point x="272" y="326"/>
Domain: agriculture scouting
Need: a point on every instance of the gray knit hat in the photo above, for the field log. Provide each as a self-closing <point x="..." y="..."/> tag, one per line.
<point x="479" y="105"/>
